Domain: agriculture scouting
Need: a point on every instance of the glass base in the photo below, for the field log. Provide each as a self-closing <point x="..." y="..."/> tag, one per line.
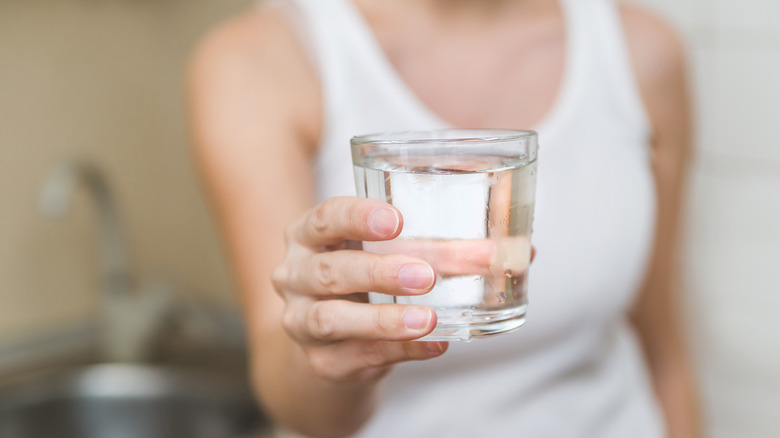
<point x="468" y="330"/>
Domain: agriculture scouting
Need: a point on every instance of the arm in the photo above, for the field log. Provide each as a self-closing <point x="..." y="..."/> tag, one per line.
<point x="659" y="63"/>
<point x="316" y="353"/>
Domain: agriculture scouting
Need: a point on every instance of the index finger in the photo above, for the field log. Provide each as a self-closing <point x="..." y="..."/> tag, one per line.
<point x="347" y="218"/>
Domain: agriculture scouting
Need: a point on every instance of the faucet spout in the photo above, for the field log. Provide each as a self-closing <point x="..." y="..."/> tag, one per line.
<point x="130" y="318"/>
<point x="55" y="197"/>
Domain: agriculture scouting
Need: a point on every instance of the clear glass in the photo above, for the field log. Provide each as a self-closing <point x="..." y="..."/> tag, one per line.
<point x="467" y="198"/>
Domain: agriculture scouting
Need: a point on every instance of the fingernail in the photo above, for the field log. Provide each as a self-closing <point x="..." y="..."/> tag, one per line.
<point x="383" y="221"/>
<point x="417" y="318"/>
<point x="415" y="275"/>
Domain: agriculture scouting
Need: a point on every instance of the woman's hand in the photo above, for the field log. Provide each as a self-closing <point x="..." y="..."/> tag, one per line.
<point x="322" y="283"/>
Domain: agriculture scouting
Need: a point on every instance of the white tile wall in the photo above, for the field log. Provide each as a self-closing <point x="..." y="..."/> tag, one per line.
<point x="732" y="261"/>
<point x="732" y="257"/>
<point x="738" y="99"/>
<point x="686" y="15"/>
<point x="747" y="14"/>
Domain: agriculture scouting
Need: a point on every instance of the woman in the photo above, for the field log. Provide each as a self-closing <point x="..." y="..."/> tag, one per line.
<point x="276" y="94"/>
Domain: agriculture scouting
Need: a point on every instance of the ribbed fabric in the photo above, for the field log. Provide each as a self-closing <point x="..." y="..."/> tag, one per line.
<point x="574" y="369"/>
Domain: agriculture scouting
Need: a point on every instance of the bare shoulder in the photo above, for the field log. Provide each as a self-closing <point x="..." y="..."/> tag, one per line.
<point x="258" y="37"/>
<point x="657" y="51"/>
<point x="659" y="59"/>
<point x="255" y="61"/>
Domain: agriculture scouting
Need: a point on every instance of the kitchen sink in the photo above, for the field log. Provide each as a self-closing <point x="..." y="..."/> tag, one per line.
<point x="150" y="363"/>
<point x="129" y="401"/>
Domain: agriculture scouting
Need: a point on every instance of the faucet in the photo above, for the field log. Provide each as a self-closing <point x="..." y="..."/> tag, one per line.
<point x="130" y="318"/>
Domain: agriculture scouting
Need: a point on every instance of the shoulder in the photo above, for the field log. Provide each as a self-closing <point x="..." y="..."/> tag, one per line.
<point x="657" y="51"/>
<point x="658" y="57"/>
<point x="252" y="39"/>
<point x="256" y="61"/>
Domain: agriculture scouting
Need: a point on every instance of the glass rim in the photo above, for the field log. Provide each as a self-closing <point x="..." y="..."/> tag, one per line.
<point x="426" y="136"/>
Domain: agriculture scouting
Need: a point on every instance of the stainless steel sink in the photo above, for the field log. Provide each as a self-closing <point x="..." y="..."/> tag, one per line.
<point x="129" y="401"/>
<point x="198" y="387"/>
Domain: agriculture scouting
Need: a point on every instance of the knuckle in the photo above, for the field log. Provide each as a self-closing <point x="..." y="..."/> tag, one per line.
<point x="288" y="322"/>
<point x="323" y="274"/>
<point x="374" y="272"/>
<point x="322" y="321"/>
<point x="382" y="271"/>
<point x="279" y="278"/>
<point x="319" y="217"/>
<point x="378" y="373"/>
<point x="386" y="320"/>
<point x="322" y="364"/>
<point x="355" y="215"/>
<point x="373" y="355"/>
<point x="370" y="374"/>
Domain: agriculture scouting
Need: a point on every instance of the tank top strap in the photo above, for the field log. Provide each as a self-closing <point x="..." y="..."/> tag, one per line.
<point x="596" y="31"/>
<point x="323" y="32"/>
<point x="354" y="68"/>
<point x="362" y="92"/>
<point x="342" y="45"/>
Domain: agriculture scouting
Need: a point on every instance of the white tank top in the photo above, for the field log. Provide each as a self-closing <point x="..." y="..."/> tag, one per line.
<point x="574" y="369"/>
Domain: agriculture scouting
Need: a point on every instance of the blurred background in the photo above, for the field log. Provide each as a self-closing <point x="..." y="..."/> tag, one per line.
<point x="733" y="242"/>
<point x="102" y="81"/>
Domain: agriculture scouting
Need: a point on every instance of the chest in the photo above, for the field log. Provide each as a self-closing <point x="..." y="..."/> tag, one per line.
<point x="480" y="77"/>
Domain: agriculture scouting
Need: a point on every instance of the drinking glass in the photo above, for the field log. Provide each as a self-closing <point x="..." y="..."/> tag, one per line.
<point x="467" y="200"/>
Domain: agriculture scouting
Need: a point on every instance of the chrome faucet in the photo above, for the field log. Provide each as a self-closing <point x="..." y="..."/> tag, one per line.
<point x="55" y="197"/>
<point x="130" y="318"/>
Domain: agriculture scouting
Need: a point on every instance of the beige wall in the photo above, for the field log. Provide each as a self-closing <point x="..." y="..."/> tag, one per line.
<point x="99" y="79"/>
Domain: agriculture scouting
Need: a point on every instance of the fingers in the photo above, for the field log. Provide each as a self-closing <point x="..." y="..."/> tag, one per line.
<point x="448" y="257"/>
<point x="335" y="320"/>
<point x="362" y="360"/>
<point x="499" y="206"/>
<point x="346" y="218"/>
<point x="344" y="272"/>
<point x="513" y="254"/>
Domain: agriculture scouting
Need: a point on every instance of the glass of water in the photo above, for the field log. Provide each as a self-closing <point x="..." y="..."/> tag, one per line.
<point x="467" y="199"/>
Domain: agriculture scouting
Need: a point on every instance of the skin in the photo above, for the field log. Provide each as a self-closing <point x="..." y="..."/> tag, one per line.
<point x="319" y="351"/>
